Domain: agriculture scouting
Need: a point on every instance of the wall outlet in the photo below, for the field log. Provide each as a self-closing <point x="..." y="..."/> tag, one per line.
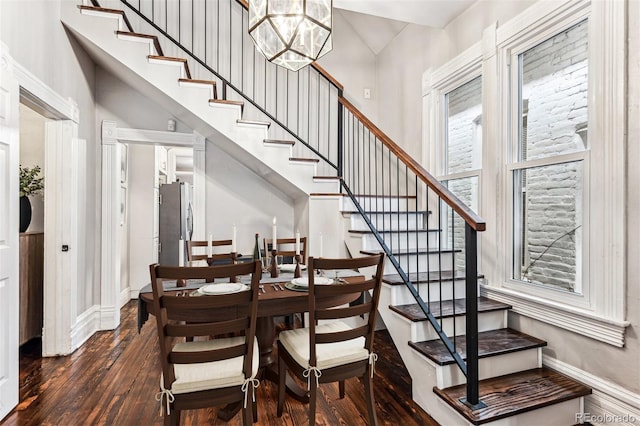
<point x="367" y="93"/>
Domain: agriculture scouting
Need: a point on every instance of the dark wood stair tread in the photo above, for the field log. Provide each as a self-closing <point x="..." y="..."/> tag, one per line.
<point x="328" y="177"/>
<point x="211" y="82"/>
<point x="173" y="59"/>
<point x="411" y="252"/>
<point x="490" y="343"/>
<point x="254" y="122"/>
<point x="391" y="231"/>
<point x="447" y="309"/>
<point x="156" y="42"/>
<point x="228" y="102"/>
<point x="390" y="212"/>
<point x="304" y="160"/>
<point x="424" y="277"/>
<point x="516" y="393"/>
<point x="107" y="10"/>
<point x="279" y="142"/>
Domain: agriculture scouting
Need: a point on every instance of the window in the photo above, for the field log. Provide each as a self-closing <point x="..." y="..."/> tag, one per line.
<point x="550" y="149"/>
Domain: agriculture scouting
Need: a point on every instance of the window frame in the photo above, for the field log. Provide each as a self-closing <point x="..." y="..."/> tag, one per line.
<point x="599" y="311"/>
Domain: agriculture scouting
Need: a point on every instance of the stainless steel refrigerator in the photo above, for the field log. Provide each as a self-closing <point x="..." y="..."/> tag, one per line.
<point x="175" y="221"/>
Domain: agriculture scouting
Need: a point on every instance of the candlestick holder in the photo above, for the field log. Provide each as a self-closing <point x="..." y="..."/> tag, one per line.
<point x="274" y="264"/>
<point x="297" y="273"/>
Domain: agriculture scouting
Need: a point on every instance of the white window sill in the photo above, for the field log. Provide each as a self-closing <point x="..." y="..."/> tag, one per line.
<point x="569" y="318"/>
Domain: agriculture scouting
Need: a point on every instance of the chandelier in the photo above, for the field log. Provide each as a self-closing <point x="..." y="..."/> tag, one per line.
<point x="291" y="33"/>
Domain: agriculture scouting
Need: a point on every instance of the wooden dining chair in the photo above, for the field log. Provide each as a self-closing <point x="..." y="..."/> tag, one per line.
<point x="197" y="250"/>
<point x="206" y="373"/>
<point x="285" y="247"/>
<point x="338" y="348"/>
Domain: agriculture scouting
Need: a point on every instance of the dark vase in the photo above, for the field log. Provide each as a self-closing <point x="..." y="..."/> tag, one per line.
<point x="25" y="213"/>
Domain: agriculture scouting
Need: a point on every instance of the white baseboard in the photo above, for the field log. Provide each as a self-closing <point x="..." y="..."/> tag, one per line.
<point x="125" y="296"/>
<point x="609" y="403"/>
<point x="85" y="326"/>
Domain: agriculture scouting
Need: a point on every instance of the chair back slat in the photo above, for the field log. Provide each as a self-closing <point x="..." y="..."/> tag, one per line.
<point x="343" y="288"/>
<point x="180" y="317"/>
<point x="285" y="247"/>
<point x="341" y="336"/>
<point x="177" y="357"/>
<point x="340" y="313"/>
<point x="196" y="250"/>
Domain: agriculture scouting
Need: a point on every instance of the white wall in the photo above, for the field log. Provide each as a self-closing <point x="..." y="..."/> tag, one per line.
<point x="37" y="41"/>
<point x="236" y="195"/>
<point x="352" y="63"/>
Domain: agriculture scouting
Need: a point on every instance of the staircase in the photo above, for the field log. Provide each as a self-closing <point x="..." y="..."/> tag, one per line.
<point x="467" y="365"/>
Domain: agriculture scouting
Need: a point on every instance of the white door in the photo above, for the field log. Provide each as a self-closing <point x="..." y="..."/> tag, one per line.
<point x="9" y="211"/>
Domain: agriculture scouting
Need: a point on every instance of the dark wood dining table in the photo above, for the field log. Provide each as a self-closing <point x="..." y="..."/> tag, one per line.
<point x="276" y="300"/>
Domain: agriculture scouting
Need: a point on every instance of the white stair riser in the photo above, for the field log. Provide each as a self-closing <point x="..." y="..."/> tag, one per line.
<point x="388" y="221"/>
<point x="563" y="413"/>
<point x="400" y="294"/>
<point x="404" y="240"/>
<point x="379" y="204"/>
<point x="432" y="262"/>
<point x="451" y="375"/>
<point x="423" y="330"/>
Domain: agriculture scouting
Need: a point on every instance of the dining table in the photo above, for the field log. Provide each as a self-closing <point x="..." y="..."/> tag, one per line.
<point x="276" y="298"/>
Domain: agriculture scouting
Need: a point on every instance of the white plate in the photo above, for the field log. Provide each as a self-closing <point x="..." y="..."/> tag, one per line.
<point x="222" y="288"/>
<point x="291" y="267"/>
<point x="304" y="281"/>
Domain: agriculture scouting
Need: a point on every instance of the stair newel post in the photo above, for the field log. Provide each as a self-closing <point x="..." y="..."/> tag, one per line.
<point x="471" y="295"/>
<point x="340" y="134"/>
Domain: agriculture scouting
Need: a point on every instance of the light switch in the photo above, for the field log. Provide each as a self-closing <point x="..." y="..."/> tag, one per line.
<point x="367" y="93"/>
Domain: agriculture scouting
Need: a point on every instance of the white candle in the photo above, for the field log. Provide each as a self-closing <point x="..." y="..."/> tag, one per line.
<point x="320" y="245"/>
<point x="297" y="242"/>
<point x="180" y="252"/>
<point x="274" y="237"/>
<point x="210" y="246"/>
<point x="233" y="240"/>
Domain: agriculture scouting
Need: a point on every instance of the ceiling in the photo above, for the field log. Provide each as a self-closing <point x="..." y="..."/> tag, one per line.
<point x="377" y="22"/>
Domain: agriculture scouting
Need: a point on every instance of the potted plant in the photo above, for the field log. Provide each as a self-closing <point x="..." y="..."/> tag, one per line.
<point x="30" y="184"/>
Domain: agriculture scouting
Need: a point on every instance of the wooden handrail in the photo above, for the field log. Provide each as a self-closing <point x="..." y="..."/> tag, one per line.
<point x="469" y="216"/>
<point x="325" y="74"/>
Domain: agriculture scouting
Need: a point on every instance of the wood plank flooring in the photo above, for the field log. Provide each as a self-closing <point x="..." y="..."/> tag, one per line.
<point x="112" y="380"/>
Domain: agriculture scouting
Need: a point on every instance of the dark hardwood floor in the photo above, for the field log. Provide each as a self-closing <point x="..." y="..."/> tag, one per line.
<point x="113" y="378"/>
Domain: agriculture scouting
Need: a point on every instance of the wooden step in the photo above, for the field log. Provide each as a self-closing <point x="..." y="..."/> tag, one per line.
<point x="227" y="102"/>
<point x="154" y="39"/>
<point x="410" y="252"/>
<point x="447" y="308"/>
<point x="107" y="10"/>
<point x="490" y="343"/>
<point x="172" y="59"/>
<point x="392" y="231"/>
<point x="304" y="160"/>
<point x="191" y="81"/>
<point x="513" y="394"/>
<point x="279" y="142"/>
<point x="267" y="124"/>
<point x="423" y="277"/>
<point x="389" y="212"/>
<point x="327" y="178"/>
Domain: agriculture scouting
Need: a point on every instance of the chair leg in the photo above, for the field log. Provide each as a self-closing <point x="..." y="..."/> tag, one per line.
<point x="341" y="388"/>
<point x="247" y="414"/>
<point x="172" y="419"/>
<point x="282" y="375"/>
<point x="254" y="407"/>
<point x="313" y="391"/>
<point x="371" y="403"/>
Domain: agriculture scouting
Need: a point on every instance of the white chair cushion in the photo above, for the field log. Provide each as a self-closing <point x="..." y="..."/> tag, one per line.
<point x="327" y="354"/>
<point x="211" y="375"/>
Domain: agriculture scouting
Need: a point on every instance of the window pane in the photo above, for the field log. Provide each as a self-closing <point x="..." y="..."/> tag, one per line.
<point x="548" y="224"/>
<point x="453" y="225"/>
<point x="553" y="100"/>
<point x="464" y="127"/>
